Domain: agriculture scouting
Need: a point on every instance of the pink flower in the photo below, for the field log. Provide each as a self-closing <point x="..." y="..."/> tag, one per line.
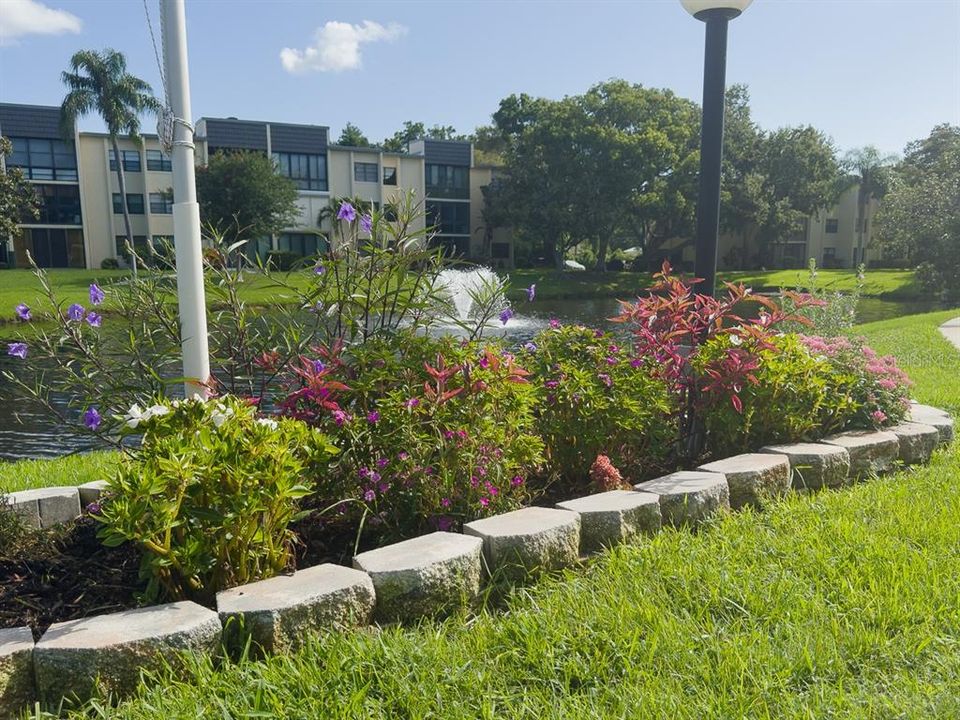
<point x="517" y="480"/>
<point x="484" y="501"/>
<point x="878" y="416"/>
<point x="369" y="495"/>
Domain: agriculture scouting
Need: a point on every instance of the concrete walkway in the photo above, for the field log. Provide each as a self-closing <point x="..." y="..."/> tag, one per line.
<point x="951" y="331"/>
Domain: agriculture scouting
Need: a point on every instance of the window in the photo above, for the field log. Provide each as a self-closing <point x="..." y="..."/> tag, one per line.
<point x="389" y="175"/>
<point x="52" y="247"/>
<point x="59" y="205"/>
<point x="44" y="159"/>
<point x="134" y="203"/>
<point x="833" y="225"/>
<point x="309" y="172"/>
<point x="131" y="160"/>
<point x="157" y="161"/>
<point x="161" y="203"/>
<point x="449" y="218"/>
<point x="303" y="244"/>
<point x="390" y="212"/>
<point x="447" y="181"/>
<point x="366" y="172"/>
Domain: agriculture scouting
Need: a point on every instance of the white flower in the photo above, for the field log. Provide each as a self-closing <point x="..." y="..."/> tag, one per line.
<point x="221" y="415"/>
<point x="735" y="340"/>
<point x="134" y="416"/>
<point x="156" y="411"/>
<point x="267" y="422"/>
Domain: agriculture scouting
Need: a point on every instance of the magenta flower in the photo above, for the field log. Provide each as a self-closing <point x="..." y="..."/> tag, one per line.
<point x="444" y="523"/>
<point x="554" y="323"/>
<point x="17" y="349"/>
<point x="517" y="480"/>
<point x="347" y="212"/>
<point x="94" y="319"/>
<point x="369" y="496"/>
<point x="75" y="312"/>
<point x="339" y="417"/>
<point x="92" y="419"/>
<point x="373" y="417"/>
<point x="402" y="456"/>
<point x="506" y="315"/>
<point x="23" y="312"/>
<point x="96" y="294"/>
<point x="445" y="502"/>
<point x="366" y="223"/>
<point x="412" y="403"/>
<point x="605" y="379"/>
<point x="531" y="292"/>
<point x="382" y="463"/>
<point x="484" y="501"/>
<point x="551" y="384"/>
<point x="878" y="416"/>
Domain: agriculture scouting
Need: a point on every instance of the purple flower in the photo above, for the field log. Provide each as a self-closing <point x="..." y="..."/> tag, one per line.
<point x="93" y="508"/>
<point x="346" y="212"/>
<point x="412" y="403"/>
<point x="373" y="417"/>
<point x="444" y="523"/>
<point x="339" y="417"/>
<point x="17" y="349"/>
<point x="96" y="294"/>
<point x="551" y="384"/>
<point x="531" y="292"/>
<point x="517" y="480"/>
<point x="23" y="312"/>
<point x="402" y="456"/>
<point x="382" y="463"/>
<point x="554" y="323"/>
<point x="445" y="502"/>
<point x="636" y="362"/>
<point x="369" y="495"/>
<point x="506" y="315"/>
<point x="318" y="366"/>
<point x="484" y="501"/>
<point x="605" y="379"/>
<point x="530" y="347"/>
<point x="319" y="269"/>
<point x="91" y="418"/>
<point x="75" y="312"/>
<point x="366" y="223"/>
<point x="94" y="319"/>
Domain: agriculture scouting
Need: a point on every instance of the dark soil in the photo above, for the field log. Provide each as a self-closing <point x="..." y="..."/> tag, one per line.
<point x="66" y="575"/>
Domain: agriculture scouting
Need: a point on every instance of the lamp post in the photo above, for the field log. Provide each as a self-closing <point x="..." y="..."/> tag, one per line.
<point x="715" y="14"/>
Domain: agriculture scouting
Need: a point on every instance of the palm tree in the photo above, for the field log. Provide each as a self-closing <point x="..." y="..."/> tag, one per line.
<point x="868" y="168"/>
<point x="99" y="82"/>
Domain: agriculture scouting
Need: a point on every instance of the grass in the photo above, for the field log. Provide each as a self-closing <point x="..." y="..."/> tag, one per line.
<point x="833" y="605"/>
<point x="69" y="470"/>
<point x="551" y="284"/>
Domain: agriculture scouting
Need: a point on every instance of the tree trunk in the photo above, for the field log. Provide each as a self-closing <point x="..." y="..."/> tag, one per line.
<point x="121" y="181"/>
<point x="603" y="244"/>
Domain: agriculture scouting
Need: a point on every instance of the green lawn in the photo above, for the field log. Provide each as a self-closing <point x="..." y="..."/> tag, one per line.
<point x="551" y="284"/>
<point x="834" y="605"/>
<point x="70" y="470"/>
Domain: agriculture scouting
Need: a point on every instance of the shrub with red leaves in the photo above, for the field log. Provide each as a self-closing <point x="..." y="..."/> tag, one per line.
<point x="604" y="476"/>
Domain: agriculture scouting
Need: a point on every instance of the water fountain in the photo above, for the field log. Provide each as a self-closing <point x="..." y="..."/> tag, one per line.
<point x="463" y="286"/>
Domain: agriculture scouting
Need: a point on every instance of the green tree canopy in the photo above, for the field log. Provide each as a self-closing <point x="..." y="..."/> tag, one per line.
<point x="416" y="131"/>
<point x="919" y="218"/>
<point x="242" y="196"/>
<point x="18" y="199"/>
<point x="352" y="136"/>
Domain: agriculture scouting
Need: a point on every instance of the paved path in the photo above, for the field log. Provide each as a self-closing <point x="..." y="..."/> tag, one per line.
<point x="951" y="331"/>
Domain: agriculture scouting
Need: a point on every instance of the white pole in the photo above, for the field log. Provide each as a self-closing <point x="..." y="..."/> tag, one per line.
<point x="186" y="211"/>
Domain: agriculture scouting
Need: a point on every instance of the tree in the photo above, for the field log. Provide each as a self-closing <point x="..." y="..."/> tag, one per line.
<point x="869" y="169"/>
<point x="99" y="82"/>
<point x="416" y="131"/>
<point x="242" y="196"/>
<point x="613" y="165"/>
<point x="352" y="136"/>
<point x="18" y="199"/>
<point x="920" y="216"/>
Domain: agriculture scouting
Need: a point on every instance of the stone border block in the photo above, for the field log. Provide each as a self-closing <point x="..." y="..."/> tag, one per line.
<point x="90" y="492"/>
<point x="280" y="612"/>
<point x="17" y="689"/>
<point x="688" y="497"/>
<point x="107" y="652"/>
<point x="754" y="479"/>
<point x="614" y="517"/>
<point x="929" y="415"/>
<point x="814" y="465"/>
<point x="55" y="505"/>
<point x="528" y="540"/>
<point x="871" y="452"/>
<point x="27" y="509"/>
<point x="429" y="575"/>
<point x="917" y="441"/>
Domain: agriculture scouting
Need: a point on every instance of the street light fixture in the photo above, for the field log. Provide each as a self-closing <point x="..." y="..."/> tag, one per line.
<point x="716" y="14"/>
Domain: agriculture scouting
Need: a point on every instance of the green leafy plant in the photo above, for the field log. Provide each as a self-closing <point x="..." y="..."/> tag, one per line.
<point x="594" y="398"/>
<point x="832" y="315"/>
<point x="211" y="493"/>
<point x="434" y="431"/>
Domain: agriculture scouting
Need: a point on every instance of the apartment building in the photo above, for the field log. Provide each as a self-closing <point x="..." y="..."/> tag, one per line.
<point x="81" y="222"/>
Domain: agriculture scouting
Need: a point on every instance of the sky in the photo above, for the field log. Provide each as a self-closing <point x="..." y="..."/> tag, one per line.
<point x="865" y="72"/>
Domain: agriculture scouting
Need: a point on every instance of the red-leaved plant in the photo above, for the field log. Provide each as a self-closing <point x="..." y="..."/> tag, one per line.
<point x="673" y="321"/>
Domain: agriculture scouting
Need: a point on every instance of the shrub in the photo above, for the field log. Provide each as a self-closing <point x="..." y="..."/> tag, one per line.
<point x="435" y="432"/>
<point x="210" y="494"/>
<point x="878" y="388"/>
<point x="109" y="264"/>
<point x="794" y="396"/>
<point x="284" y="260"/>
<point x="594" y="399"/>
<point x="834" y="313"/>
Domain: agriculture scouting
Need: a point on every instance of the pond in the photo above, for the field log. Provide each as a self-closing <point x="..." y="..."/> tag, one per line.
<point x="26" y="431"/>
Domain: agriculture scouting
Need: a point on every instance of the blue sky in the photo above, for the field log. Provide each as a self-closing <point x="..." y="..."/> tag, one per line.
<point x="863" y="71"/>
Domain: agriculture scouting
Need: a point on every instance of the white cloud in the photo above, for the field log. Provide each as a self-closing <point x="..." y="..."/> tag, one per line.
<point x="30" y="17"/>
<point x="337" y="46"/>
